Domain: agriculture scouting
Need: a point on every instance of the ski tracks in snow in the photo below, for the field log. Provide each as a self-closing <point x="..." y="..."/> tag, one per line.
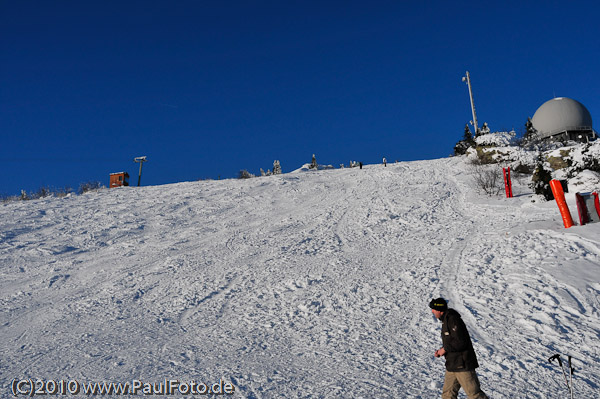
<point x="309" y="284"/>
<point x="534" y="294"/>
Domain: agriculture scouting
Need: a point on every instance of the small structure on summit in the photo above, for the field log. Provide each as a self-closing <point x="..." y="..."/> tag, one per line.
<point x="563" y="118"/>
<point x="119" y="179"/>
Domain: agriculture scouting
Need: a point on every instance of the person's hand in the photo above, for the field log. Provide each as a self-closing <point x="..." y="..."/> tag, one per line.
<point x="440" y="352"/>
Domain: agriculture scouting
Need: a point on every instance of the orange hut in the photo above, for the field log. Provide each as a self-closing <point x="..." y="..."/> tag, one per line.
<point x="119" y="179"/>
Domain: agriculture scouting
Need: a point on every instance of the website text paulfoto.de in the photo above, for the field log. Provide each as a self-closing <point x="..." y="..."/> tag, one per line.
<point x="32" y="387"/>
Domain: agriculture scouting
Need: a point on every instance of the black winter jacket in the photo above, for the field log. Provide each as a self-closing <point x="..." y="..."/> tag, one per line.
<point x="460" y="355"/>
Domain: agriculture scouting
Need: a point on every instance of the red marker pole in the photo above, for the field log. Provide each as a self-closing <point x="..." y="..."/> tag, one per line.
<point x="507" y="182"/>
<point x="596" y="202"/>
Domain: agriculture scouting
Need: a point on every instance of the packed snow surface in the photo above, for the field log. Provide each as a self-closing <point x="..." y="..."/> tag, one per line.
<point x="310" y="284"/>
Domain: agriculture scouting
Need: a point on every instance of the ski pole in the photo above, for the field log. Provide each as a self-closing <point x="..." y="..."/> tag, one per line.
<point x="557" y="357"/>
<point x="571" y="371"/>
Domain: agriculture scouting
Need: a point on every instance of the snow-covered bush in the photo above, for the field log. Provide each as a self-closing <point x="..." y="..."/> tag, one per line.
<point x="530" y="136"/>
<point x="467" y="142"/>
<point x="244" y="174"/>
<point x="496" y="139"/>
<point x="313" y="163"/>
<point x="485" y="129"/>
<point x="42" y="192"/>
<point x="90" y="186"/>
<point x="586" y="157"/>
<point x="276" y="167"/>
<point x="63" y="192"/>
<point x="9" y="198"/>
<point x="540" y="181"/>
<point x="263" y="173"/>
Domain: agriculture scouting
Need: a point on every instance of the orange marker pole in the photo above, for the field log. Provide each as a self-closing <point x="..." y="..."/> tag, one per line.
<point x="559" y="196"/>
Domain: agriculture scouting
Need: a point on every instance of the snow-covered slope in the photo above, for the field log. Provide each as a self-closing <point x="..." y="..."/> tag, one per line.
<point x="303" y="285"/>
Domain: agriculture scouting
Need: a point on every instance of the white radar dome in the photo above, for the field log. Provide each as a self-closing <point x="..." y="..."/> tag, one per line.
<point x="561" y="115"/>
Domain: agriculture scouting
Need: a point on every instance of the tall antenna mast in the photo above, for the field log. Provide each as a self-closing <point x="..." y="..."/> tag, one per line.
<point x="474" y="121"/>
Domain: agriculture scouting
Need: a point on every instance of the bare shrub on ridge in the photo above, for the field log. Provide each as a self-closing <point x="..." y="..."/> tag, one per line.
<point x="488" y="178"/>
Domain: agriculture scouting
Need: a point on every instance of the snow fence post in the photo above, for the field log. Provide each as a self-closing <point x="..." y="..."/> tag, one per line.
<point x="587" y="206"/>
<point x="559" y="196"/>
<point x="582" y="210"/>
<point x="507" y="182"/>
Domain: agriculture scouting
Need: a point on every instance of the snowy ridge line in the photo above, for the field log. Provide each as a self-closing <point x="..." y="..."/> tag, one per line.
<point x="309" y="284"/>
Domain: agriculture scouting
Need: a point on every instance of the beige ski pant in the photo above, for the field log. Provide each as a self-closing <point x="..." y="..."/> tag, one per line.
<point x="468" y="380"/>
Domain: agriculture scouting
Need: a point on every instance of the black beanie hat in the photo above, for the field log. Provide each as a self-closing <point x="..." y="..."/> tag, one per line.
<point x="439" y="304"/>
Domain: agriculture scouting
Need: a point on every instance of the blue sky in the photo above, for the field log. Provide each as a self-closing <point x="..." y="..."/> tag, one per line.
<point x="205" y="89"/>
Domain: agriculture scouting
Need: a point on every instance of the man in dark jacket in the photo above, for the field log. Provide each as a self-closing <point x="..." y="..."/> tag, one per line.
<point x="461" y="360"/>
